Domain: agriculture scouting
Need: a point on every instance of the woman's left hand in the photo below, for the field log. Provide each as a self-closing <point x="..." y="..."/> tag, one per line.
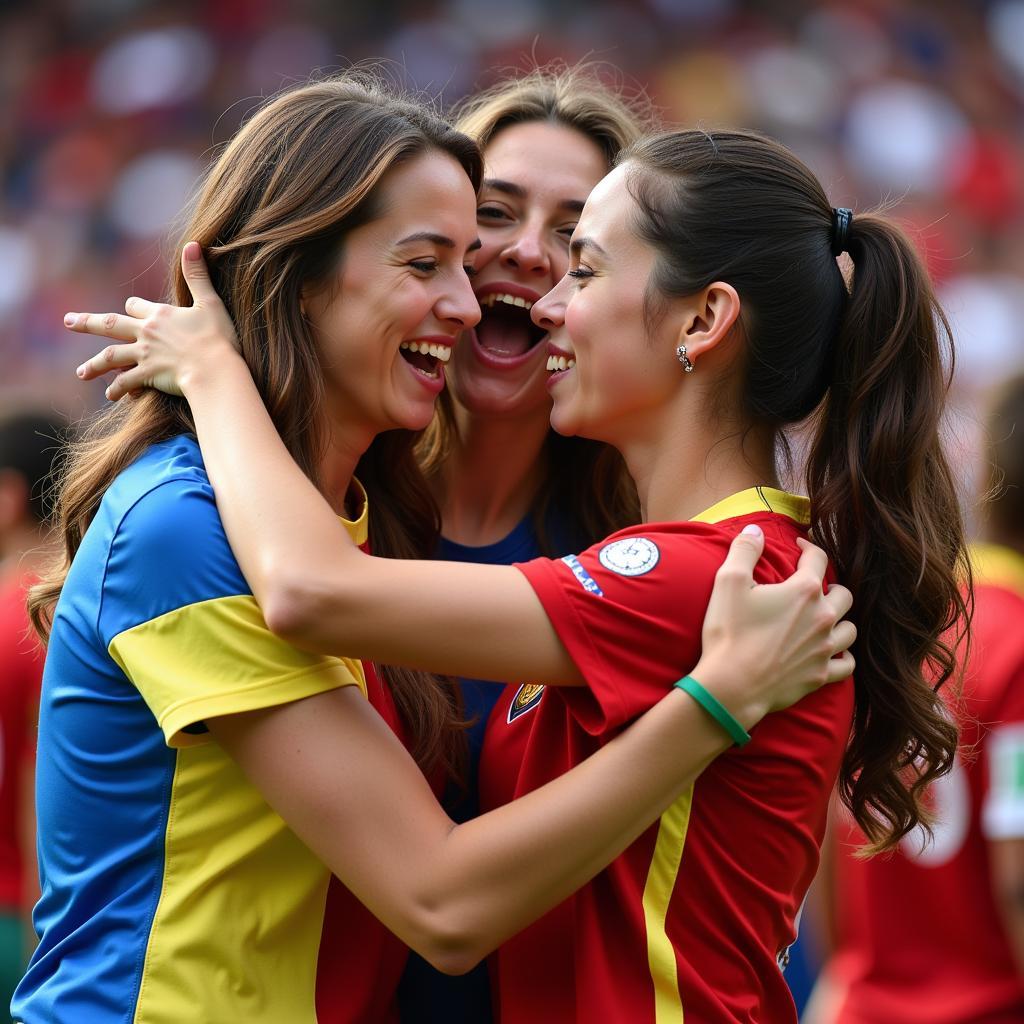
<point x="163" y="346"/>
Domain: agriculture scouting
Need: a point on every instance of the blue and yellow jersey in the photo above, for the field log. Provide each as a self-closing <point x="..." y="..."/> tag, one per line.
<point x="171" y="892"/>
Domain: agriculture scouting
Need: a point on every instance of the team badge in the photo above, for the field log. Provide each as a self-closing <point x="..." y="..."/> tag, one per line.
<point x="527" y="696"/>
<point x="631" y="556"/>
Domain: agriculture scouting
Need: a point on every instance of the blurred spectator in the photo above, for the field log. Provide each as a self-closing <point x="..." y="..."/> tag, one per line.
<point x="28" y="443"/>
<point x="934" y="932"/>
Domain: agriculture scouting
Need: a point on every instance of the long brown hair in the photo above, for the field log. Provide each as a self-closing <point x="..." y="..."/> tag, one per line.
<point x="872" y="364"/>
<point x="587" y="481"/>
<point x="272" y="218"/>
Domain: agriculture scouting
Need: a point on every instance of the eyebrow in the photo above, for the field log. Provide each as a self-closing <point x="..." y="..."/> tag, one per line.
<point x="442" y="240"/>
<point x="579" y="244"/>
<point x="510" y="188"/>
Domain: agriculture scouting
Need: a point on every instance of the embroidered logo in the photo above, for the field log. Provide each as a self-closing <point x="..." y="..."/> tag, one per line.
<point x="631" y="556"/>
<point x="527" y="696"/>
<point x="586" y="581"/>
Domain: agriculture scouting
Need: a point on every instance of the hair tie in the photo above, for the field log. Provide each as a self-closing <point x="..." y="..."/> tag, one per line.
<point x="842" y="218"/>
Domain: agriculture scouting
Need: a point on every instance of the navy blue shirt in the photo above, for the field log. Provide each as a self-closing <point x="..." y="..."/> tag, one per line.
<point x="425" y="995"/>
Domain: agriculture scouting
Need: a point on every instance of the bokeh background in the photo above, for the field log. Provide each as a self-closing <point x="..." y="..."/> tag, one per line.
<point x="110" y="110"/>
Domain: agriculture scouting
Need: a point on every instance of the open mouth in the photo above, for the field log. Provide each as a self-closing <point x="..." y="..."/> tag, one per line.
<point x="505" y="327"/>
<point x="425" y="357"/>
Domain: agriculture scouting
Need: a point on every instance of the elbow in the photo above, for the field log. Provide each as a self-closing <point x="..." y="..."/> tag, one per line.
<point x="447" y="944"/>
<point x="291" y="611"/>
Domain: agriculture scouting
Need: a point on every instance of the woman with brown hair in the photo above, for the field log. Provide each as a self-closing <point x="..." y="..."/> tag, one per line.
<point x="704" y="311"/>
<point x="337" y="222"/>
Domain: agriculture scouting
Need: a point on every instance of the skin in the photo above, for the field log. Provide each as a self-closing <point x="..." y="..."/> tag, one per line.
<point x="537" y="177"/>
<point x="451" y="892"/>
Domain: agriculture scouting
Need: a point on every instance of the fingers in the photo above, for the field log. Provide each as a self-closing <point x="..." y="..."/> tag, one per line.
<point x="103" y="325"/>
<point x="197" y="277"/>
<point x="113" y="357"/>
<point x="125" y="383"/>
<point x="840" y="668"/>
<point x="141" y="308"/>
<point x="813" y="561"/>
<point x="843" y="636"/>
<point x="839" y="599"/>
<point x="744" y="551"/>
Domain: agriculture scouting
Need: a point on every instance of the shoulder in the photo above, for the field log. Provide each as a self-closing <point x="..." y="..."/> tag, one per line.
<point x="167" y="546"/>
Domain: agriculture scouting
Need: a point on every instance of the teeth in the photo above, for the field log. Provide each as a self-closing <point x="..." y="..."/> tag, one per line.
<point x="439" y="352"/>
<point x="508" y="300"/>
<point x="560" y="363"/>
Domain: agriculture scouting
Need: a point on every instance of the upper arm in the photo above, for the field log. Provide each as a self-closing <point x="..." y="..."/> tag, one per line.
<point x="478" y="621"/>
<point x="178" y="618"/>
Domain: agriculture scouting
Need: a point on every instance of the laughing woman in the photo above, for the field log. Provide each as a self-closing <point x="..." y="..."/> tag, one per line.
<point x="337" y="223"/>
<point x="509" y="488"/>
<point x="703" y="311"/>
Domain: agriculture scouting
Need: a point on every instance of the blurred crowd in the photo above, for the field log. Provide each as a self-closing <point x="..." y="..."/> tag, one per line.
<point x="110" y="109"/>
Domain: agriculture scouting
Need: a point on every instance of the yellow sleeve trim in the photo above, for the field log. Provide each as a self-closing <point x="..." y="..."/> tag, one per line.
<point x="217" y="657"/>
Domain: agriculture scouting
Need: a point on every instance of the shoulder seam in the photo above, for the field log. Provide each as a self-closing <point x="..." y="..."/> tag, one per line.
<point x="113" y="537"/>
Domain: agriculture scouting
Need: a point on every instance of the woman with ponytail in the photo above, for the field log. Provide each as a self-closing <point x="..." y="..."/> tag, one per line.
<point x="704" y="311"/>
<point x="200" y="777"/>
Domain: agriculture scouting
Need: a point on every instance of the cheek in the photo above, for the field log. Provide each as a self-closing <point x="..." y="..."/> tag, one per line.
<point x="490" y="245"/>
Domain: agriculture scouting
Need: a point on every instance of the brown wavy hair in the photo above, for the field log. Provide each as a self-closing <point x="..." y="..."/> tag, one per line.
<point x="587" y="481"/>
<point x="871" y="365"/>
<point x="272" y="218"/>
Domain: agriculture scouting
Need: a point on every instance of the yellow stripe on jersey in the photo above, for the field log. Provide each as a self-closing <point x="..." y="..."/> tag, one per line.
<point x="238" y="922"/>
<point x="673" y="825"/>
<point x="661" y="881"/>
<point x="997" y="566"/>
<point x="217" y="657"/>
<point x="758" y="499"/>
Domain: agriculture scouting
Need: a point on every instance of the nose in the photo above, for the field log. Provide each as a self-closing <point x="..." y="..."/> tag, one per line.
<point x="458" y="305"/>
<point x="548" y="311"/>
<point x="527" y="252"/>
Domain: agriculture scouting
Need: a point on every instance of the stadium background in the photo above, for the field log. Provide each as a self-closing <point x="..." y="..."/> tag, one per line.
<point x="109" y="110"/>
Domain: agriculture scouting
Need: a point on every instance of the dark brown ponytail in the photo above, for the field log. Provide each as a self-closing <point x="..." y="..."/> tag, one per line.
<point x="885" y="507"/>
<point x="868" y="363"/>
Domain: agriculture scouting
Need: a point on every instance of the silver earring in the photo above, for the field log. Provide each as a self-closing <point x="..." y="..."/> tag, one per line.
<point x="681" y="355"/>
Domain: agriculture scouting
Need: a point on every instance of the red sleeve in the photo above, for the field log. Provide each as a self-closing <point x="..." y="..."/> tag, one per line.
<point x="629" y="612"/>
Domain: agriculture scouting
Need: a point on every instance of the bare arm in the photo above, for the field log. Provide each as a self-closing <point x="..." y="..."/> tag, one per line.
<point x="454" y="892"/>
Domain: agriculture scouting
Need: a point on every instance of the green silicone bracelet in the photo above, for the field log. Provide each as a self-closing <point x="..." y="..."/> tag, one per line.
<point x="715" y="708"/>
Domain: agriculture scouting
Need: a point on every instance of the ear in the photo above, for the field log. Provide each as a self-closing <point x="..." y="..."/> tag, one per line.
<point x="708" y="317"/>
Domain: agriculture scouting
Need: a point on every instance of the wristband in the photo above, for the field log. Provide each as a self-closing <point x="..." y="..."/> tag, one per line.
<point x="715" y="708"/>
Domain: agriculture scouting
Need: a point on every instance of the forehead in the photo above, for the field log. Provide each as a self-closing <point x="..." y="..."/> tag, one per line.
<point x="541" y="153"/>
<point x="609" y="210"/>
<point x="430" y="192"/>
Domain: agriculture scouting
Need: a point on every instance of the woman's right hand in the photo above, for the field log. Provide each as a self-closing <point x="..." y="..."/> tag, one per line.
<point x="766" y="646"/>
<point x="163" y="346"/>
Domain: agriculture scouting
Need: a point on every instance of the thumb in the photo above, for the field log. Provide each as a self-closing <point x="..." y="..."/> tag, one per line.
<point x="744" y="552"/>
<point x="197" y="277"/>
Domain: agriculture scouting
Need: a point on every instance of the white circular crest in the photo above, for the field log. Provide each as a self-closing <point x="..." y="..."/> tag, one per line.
<point x="631" y="556"/>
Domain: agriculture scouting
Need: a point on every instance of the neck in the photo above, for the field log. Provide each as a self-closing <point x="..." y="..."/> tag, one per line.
<point x="492" y="476"/>
<point x="346" y="445"/>
<point x="688" y="462"/>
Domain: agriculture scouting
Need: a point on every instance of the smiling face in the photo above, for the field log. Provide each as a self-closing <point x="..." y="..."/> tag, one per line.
<point x="611" y="375"/>
<point x="536" y="179"/>
<point x="386" y="323"/>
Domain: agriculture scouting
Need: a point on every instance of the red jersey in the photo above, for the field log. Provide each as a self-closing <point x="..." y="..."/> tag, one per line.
<point x="920" y="937"/>
<point x="360" y="960"/>
<point x="21" y="670"/>
<point x="696" y="916"/>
